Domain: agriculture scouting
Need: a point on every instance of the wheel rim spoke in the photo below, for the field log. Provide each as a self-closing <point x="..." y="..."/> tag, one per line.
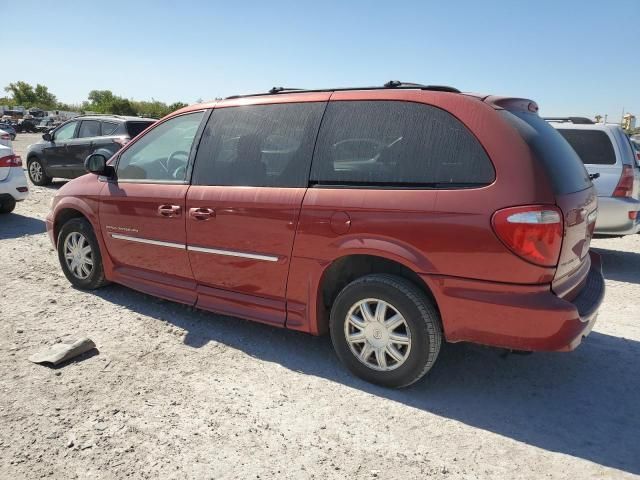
<point x="377" y="334"/>
<point x="78" y="255"/>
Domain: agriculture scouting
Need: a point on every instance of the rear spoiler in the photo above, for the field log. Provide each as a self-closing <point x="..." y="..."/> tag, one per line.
<point x="512" y="104"/>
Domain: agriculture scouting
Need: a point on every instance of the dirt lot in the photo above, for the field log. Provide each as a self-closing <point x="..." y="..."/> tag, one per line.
<point x="178" y="393"/>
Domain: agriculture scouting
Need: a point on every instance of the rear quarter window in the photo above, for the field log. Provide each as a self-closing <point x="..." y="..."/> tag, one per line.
<point x="558" y="159"/>
<point x="135" y="128"/>
<point x="594" y="147"/>
<point x="397" y="144"/>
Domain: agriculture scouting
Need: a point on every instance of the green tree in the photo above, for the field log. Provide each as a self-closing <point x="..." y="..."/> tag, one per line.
<point x="176" y="106"/>
<point x="22" y="93"/>
<point x="44" y="98"/>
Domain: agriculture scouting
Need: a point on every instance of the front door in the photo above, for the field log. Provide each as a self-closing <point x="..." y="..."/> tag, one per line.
<point x="142" y="212"/>
<point x="56" y="153"/>
<point x="249" y="180"/>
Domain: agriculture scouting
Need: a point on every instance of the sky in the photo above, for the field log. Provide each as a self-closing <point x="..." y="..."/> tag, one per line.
<point x="572" y="57"/>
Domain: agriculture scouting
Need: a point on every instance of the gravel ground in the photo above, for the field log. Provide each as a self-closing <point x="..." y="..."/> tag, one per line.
<point x="179" y="393"/>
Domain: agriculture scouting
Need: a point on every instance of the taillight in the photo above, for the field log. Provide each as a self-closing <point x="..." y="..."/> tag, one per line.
<point x="533" y="232"/>
<point x="122" y="141"/>
<point x="5" y="136"/>
<point x="625" y="184"/>
<point x="10" y="161"/>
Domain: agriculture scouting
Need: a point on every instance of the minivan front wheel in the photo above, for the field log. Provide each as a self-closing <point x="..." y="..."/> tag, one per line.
<point x="79" y="255"/>
<point x="385" y="330"/>
<point x="37" y="174"/>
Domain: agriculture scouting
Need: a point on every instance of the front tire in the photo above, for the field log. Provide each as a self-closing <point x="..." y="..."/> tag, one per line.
<point x="37" y="173"/>
<point x="79" y="255"/>
<point x="385" y="330"/>
<point x="7" y="205"/>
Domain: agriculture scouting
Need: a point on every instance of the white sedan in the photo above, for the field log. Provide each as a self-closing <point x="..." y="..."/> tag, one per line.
<point x="5" y="139"/>
<point x="13" y="182"/>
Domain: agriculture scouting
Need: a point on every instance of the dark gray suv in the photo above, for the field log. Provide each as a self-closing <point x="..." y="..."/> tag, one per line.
<point x="62" y="152"/>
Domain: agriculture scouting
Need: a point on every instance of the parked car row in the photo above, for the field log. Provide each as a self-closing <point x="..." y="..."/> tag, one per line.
<point x="62" y="151"/>
<point x="396" y="218"/>
<point x="611" y="160"/>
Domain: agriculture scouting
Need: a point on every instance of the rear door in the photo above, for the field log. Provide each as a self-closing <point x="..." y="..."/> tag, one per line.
<point x="142" y="213"/>
<point x="574" y="192"/>
<point x="249" y="180"/>
<point x="81" y="147"/>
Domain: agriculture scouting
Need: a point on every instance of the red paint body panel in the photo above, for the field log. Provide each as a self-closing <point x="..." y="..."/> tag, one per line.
<point x="485" y="293"/>
<point x="247" y="220"/>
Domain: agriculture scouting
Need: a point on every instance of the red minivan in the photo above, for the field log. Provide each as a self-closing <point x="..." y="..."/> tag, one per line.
<point x="392" y="217"/>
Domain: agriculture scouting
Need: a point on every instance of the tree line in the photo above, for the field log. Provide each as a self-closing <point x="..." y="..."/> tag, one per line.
<point x="98" y="101"/>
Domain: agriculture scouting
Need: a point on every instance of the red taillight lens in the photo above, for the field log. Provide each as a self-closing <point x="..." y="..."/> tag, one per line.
<point x="625" y="184"/>
<point x="5" y="136"/>
<point x="10" y="161"/>
<point x="533" y="232"/>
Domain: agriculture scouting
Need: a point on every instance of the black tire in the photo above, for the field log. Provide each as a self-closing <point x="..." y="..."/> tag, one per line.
<point x="7" y="205"/>
<point x="421" y="318"/>
<point x="44" y="179"/>
<point x="95" y="279"/>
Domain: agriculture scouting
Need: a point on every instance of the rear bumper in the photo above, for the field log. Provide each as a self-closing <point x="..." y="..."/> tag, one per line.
<point x="613" y="216"/>
<point x="518" y="317"/>
<point x="15" y="185"/>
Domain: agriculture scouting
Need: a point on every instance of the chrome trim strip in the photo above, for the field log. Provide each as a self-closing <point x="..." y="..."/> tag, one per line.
<point x="145" y="240"/>
<point x="231" y="253"/>
<point x="215" y="251"/>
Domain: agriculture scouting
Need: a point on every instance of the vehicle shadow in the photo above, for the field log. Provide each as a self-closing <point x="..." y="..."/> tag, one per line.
<point x="583" y="404"/>
<point x="14" y="225"/>
<point x="619" y="265"/>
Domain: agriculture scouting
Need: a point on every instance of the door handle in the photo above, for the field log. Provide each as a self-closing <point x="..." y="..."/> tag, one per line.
<point x="169" y="210"/>
<point x="202" y="213"/>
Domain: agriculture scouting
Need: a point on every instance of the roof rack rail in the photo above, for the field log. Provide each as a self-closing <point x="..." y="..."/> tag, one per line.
<point x="395" y="84"/>
<point x="574" y="120"/>
<point x="98" y="115"/>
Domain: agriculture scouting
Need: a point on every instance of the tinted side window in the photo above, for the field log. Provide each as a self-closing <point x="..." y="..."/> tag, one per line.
<point x="392" y="143"/>
<point x="163" y="153"/>
<point x="89" y="128"/>
<point x="258" y="145"/>
<point x="135" y="128"/>
<point x="108" y="128"/>
<point x="560" y="162"/>
<point x="592" y="146"/>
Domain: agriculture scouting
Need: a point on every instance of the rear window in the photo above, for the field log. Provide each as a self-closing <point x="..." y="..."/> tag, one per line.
<point x="135" y="128"/>
<point x="561" y="163"/>
<point x="593" y="146"/>
<point x="397" y="144"/>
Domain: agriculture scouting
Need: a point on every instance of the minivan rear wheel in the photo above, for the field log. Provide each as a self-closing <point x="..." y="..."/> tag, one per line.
<point x="385" y="330"/>
<point x="79" y="255"/>
<point x="37" y="174"/>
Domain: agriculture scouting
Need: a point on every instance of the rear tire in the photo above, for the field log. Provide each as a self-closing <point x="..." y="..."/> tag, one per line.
<point x="37" y="173"/>
<point x="79" y="255"/>
<point x="7" y="206"/>
<point x="385" y="330"/>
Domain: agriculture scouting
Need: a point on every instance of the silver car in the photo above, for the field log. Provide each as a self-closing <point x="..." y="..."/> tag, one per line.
<point x="611" y="161"/>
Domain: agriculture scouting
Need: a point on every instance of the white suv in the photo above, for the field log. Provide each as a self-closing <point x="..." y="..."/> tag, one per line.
<point x="13" y="182"/>
<point x="610" y="159"/>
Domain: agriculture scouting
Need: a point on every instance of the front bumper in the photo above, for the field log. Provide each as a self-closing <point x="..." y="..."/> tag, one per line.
<point x="613" y="216"/>
<point x="15" y="185"/>
<point x="518" y="317"/>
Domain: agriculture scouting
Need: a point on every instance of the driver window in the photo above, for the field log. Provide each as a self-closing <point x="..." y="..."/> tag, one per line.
<point x="163" y="153"/>
<point x="65" y="132"/>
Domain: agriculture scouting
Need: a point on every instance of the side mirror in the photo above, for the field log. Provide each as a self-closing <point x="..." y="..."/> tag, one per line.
<point x="96" y="163"/>
<point x="47" y="136"/>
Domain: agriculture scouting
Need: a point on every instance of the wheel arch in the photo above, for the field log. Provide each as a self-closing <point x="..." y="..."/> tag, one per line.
<point x="345" y="269"/>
